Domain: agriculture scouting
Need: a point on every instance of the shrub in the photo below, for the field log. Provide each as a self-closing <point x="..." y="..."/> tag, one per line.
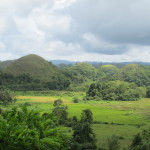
<point x="58" y="102"/>
<point x="7" y="96"/>
<point x="75" y="100"/>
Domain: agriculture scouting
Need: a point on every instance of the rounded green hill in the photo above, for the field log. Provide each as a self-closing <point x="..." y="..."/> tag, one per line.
<point x="33" y="65"/>
<point x="108" y="69"/>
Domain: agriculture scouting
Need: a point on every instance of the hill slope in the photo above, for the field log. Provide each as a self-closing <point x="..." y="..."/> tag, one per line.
<point x="33" y="65"/>
<point x="5" y="64"/>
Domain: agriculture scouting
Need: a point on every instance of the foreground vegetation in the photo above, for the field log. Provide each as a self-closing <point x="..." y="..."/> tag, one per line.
<point x="21" y="128"/>
<point x="124" y="119"/>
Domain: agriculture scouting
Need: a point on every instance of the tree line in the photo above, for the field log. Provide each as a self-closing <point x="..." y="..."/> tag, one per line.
<point x="79" y="77"/>
<point x="25" y="82"/>
<point x="115" y="90"/>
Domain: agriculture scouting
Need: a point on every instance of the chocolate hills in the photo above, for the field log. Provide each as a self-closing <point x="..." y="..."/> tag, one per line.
<point x="4" y="64"/>
<point x="33" y="65"/>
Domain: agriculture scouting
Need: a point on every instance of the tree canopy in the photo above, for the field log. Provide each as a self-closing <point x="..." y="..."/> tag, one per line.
<point x="7" y="96"/>
<point x="116" y="90"/>
<point x="27" y="129"/>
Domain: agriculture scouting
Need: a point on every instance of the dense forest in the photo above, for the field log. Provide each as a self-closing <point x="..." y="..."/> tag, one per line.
<point x="33" y="73"/>
<point x="115" y="90"/>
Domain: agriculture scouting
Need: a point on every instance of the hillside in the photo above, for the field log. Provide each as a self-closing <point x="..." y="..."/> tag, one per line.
<point x="108" y="69"/>
<point x="33" y="65"/>
<point x="84" y="69"/>
<point x="5" y="64"/>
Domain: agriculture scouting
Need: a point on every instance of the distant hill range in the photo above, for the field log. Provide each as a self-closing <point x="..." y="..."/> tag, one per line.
<point x="4" y="64"/>
<point x="66" y="62"/>
<point x="33" y="65"/>
<point x="34" y="60"/>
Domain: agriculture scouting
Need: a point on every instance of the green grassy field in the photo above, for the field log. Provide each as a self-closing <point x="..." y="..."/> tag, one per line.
<point x="121" y="118"/>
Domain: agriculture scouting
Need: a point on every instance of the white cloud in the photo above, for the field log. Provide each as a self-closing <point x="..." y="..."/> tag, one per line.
<point x="8" y="56"/>
<point x="61" y="4"/>
<point x="3" y="25"/>
<point x="2" y="46"/>
<point x="101" y="30"/>
<point x="51" y="21"/>
<point x="29" y="30"/>
<point x="99" y="45"/>
<point x="97" y="42"/>
<point x="63" y="49"/>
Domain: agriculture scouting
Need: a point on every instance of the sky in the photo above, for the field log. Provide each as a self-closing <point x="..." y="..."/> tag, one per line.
<point x="76" y="30"/>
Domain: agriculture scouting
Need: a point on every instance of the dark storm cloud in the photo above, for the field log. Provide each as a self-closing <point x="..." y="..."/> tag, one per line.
<point x="121" y="22"/>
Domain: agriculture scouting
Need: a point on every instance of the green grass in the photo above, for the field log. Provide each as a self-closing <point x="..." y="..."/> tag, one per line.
<point x="55" y="94"/>
<point x="124" y="133"/>
<point x="121" y="118"/>
<point x="107" y="114"/>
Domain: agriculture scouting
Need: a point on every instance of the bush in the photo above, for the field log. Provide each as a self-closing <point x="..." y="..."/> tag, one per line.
<point x="27" y="104"/>
<point x="113" y="143"/>
<point x="7" y="96"/>
<point x="60" y="111"/>
<point x="57" y="102"/>
<point x="141" y="141"/>
<point x="148" y="92"/>
<point x="75" y="100"/>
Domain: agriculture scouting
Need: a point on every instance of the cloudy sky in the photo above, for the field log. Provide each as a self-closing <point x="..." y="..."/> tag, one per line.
<point x="78" y="30"/>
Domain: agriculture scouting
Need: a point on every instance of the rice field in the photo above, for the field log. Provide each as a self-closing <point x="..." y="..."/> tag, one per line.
<point x="121" y="118"/>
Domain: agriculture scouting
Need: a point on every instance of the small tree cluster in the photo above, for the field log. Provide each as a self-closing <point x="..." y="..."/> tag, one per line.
<point x="75" y="100"/>
<point x="60" y="111"/>
<point x="115" y="90"/>
<point x="141" y="141"/>
<point x="7" y="96"/>
<point x="83" y="136"/>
